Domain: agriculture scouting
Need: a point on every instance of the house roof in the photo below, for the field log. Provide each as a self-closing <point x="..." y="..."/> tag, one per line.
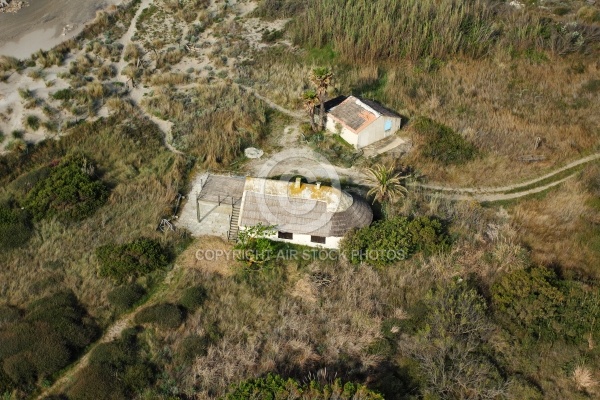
<point x="304" y="209"/>
<point x="356" y="113"/>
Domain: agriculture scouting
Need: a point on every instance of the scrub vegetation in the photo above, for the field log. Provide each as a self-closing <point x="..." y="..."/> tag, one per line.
<point x="438" y="299"/>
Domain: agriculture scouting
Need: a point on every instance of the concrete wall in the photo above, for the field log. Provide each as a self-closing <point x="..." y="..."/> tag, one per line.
<point x="376" y="131"/>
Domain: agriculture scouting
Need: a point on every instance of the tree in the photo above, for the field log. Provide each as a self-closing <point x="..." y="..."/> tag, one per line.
<point x="310" y="101"/>
<point x="387" y="184"/>
<point x="256" y="248"/>
<point x="321" y="77"/>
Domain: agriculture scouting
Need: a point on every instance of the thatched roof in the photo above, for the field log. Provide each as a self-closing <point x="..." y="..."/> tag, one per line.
<point x="305" y="209"/>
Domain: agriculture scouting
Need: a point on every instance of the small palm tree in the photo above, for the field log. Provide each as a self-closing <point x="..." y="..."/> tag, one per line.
<point x="321" y="77"/>
<point x="310" y="101"/>
<point x="387" y="184"/>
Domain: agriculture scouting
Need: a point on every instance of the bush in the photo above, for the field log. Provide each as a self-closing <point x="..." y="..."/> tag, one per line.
<point x="44" y="340"/>
<point x="63" y="94"/>
<point x="33" y="122"/>
<point x="442" y="144"/>
<point x="139" y="257"/>
<point x="164" y="315"/>
<point x="69" y="193"/>
<point x="193" y="298"/>
<point x="123" y="358"/>
<point x="15" y="226"/>
<point x="389" y="241"/>
<point x="535" y="302"/>
<point x="276" y="387"/>
<point x="125" y="297"/>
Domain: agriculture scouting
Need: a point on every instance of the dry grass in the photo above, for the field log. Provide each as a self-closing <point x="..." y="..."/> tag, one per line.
<point x="584" y="379"/>
<point x="345" y="321"/>
<point x="559" y="228"/>
<point x="220" y="265"/>
<point x="224" y="122"/>
<point x="169" y="79"/>
<point x="145" y="180"/>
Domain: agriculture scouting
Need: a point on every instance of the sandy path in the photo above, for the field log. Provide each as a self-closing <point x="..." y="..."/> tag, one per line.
<point x="137" y="92"/>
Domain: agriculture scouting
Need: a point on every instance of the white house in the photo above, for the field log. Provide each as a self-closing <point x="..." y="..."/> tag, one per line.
<point x="307" y="214"/>
<point x="360" y="122"/>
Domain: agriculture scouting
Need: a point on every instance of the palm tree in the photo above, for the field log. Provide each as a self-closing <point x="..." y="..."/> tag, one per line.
<point x="310" y="101"/>
<point x="321" y="77"/>
<point x="387" y="184"/>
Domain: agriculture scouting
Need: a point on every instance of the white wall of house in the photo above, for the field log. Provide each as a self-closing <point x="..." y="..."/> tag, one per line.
<point x="376" y="131"/>
<point x="345" y="133"/>
<point x="370" y="134"/>
<point x="330" y="242"/>
<point x="302" y="239"/>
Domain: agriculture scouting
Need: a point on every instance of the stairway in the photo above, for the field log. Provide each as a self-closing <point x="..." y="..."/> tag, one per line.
<point x="232" y="234"/>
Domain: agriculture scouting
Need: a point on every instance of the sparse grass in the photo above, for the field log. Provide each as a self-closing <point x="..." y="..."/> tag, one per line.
<point x="36" y="74"/>
<point x="8" y="63"/>
<point x="224" y="123"/>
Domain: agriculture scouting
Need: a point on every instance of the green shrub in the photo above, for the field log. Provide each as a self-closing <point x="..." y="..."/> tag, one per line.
<point x="125" y="297"/>
<point x="442" y="144"/>
<point x="63" y="94"/>
<point x="17" y="134"/>
<point x="123" y="358"/>
<point x="276" y="387"/>
<point x="269" y="36"/>
<point x="46" y="338"/>
<point x="69" y="193"/>
<point x="536" y="302"/>
<point x="136" y="258"/>
<point x="192" y="298"/>
<point x="33" y="122"/>
<point x="15" y="226"/>
<point x="389" y="241"/>
<point x="164" y="315"/>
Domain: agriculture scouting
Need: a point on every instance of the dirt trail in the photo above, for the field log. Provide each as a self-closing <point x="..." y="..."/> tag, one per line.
<point x="113" y="332"/>
<point x="503" y="189"/>
<point x="294" y="114"/>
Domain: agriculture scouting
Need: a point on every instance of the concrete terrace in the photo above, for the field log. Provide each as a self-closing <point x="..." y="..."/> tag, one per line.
<point x="210" y="205"/>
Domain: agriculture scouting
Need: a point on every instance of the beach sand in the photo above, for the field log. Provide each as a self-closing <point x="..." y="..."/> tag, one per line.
<point x="41" y="24"/>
